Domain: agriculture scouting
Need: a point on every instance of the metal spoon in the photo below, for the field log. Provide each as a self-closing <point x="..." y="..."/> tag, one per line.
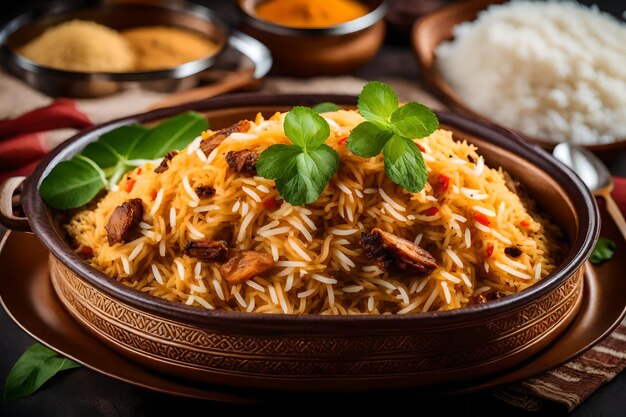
<point x="594" y="174"/>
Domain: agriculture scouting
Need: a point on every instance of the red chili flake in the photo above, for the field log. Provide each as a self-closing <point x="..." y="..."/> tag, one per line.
<point x="138" y="171"/>
<point x="270" y="203"/>
<point x="443" y="182"/>
<point x="343" y="141"/>
<point x="489" y="251"/>
<point x="481" y="218"/>
<point x="430" y="211"/>
<point x="130" y="184"/>
<point x="86" y="250"/>
<point x="524" y="223"/>
<point x="420" y="147"/>
<point x="154" y="194"/>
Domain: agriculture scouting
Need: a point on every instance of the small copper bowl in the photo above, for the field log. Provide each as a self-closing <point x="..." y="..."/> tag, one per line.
<point x="436" y="28"/>
<point x="314" y="352"/>
<point x="332" y="50"/>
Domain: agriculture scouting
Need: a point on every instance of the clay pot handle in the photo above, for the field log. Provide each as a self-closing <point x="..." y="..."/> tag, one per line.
<point x="8" y="201"/>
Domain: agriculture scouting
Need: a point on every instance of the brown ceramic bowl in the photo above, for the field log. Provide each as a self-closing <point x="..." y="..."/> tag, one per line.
<point x="332" y="50"/>
<point x="314" y="352"/>
<point x="432" y="30"/>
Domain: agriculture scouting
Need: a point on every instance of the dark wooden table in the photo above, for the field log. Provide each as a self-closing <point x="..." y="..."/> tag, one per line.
<point x="82" y="392"/>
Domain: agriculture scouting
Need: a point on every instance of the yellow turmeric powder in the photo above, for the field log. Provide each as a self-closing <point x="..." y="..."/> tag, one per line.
<point x="310" y="13"/>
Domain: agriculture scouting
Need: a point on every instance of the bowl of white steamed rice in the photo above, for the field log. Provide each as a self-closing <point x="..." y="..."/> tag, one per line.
<point x="554" y="71"/>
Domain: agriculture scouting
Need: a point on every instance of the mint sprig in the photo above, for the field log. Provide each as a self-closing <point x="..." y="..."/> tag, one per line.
<point x="303" y="169"/>
<point x="391" y="129"/>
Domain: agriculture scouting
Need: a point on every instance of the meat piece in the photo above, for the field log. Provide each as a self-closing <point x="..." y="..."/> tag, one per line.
<point x="245" y="264"/>
<point x="164" y="165"/>
<point x="124" y="220"/>
<point x="209" y="144"/>
<point x="513" y="251"/>
<point x="389" y="252"/>
<point x="207" y="250"/>
<point x="204" y="191"/>
<point x="243" y="161"/>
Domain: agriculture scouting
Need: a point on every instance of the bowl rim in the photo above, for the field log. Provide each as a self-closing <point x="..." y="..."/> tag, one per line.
<point x="436" y="83"/>
<point x="40" y="215"/>
<point x="351" y="26"/>
<point x="59" y="8"/>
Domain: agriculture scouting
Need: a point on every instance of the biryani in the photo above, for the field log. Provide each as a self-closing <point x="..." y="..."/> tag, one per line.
<point x="210" y="232"/>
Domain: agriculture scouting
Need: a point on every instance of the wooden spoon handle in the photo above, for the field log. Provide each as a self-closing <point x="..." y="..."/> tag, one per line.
<point x="234" y="81"/>
<point x="615" y="212"/>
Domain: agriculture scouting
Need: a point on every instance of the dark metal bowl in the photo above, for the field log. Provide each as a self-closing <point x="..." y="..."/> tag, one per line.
<point x="315" y="352"/>
<point x="120" y="16"/>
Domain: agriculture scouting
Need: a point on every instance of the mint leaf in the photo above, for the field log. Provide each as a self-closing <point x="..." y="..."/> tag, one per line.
<point x="301" y="170"/>
<point x="276" y="160"/>
<point x="377" y="102"/>
<point x="367" y="139"/>
<point x="325" y="107"/>
<point x="36" y="366"/>
<point x="414" y="121"/>
<point x="306" y="128"/>
<point x="603" y="251"/>
<point x="404" y="164"/>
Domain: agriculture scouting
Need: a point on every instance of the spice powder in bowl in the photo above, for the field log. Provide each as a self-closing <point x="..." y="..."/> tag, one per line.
<point x="310" y="13"/>
<point x="87" y="46"/>
<point x="159" y="47"/>
<point x="83" y="46"/>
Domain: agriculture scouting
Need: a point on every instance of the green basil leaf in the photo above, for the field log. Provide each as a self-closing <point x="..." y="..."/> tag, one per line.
<point x="414" y="121"/>
<point x="404" y="164"/>
<point x="306" y="128"/>
<point x="276" y="160"/>
<point x="173" y="134"/>
<point x="36" y="366"/>
<point x="115" y="146"/>
<point x="377" y="102"/>
<point x="367" y="139"/>
<point x="603" y="251"/>
<point x="325" y="107"/>
<point x="72" y="183"/>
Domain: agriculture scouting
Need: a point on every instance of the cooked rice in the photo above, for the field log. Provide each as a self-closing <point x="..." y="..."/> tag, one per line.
<point x="319" y="268"/>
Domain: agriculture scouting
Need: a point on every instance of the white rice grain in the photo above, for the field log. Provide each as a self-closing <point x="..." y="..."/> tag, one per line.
<point x="305" y="294"/>
<point x="450" y="277"/>
<point x="391" y="201"/>
<point x="195" y="232"/>
<point x="468" y="238"/>
<point x="352" y="288"/>
<point x="218" y="289"/>
<point x="255" y="285"/>
<point x="323" y="279"/>
<point x="173" y="217"/>
<point x="480" y="166"/>
<point x="455" y="258"/>
<point x="418" y="239"/>
<point x="157" y="274"/>
<point x="157" y="202"/>
<point x="511" y="271"/>
<point x="299" y="250"/>
<point x="180" y="268"/>
<point x="538" y="271"/>
<point x="125" y="265"/>
<point x="135" y="251"/>
<point x="485" y="211"/>
<point x="251" y="193"/>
